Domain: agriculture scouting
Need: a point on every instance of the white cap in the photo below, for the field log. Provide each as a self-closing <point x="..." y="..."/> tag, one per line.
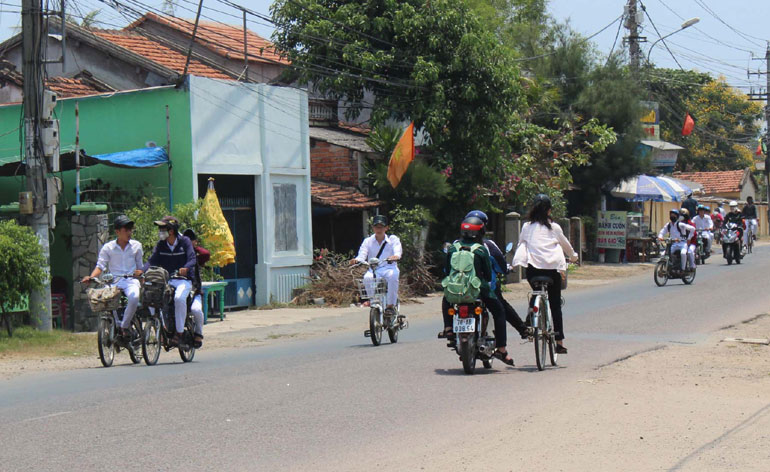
<point x="733" y="203"/>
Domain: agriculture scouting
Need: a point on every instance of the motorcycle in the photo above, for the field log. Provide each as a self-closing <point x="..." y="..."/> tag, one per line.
<point x="731" y="242"/>
<point x="700" y="252"/>
<point x="379" y="319"/>
<point x="670" y="267"/>
<point x="470" y="321"/>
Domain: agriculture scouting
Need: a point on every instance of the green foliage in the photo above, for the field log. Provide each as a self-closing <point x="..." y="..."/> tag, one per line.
<point x="726" y="121"/>
<point x="152" y="208"/>
<point x="23" y="267"/>
<point x="410" y="224"/>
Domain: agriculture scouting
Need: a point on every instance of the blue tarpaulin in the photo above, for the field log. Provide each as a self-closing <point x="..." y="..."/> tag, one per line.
<point x="137" y="158"/>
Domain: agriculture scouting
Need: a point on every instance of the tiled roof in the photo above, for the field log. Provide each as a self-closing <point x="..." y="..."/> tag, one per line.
<point x="727" y="181"/>
<point x="159" y="53"/>
<point x="225" y="40"/>
<point x="346" y="139"/>
<point x="83" y="84"/>
<point x="337" y="196"/>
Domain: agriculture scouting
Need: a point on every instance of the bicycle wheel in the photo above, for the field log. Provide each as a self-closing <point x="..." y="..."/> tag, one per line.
<point x="136" y="340"/>
<point x="661" y="273"/>
<point x="151" y="341"/>
<point x="105" y="338"/>
<point x="393" y="334"/>
<point x="187" y="348"/>
<point x="375" y="327"/>
<point x="468" y="354"/>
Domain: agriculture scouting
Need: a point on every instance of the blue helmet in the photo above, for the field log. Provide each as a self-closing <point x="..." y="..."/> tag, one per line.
<point x="478" y="214"/>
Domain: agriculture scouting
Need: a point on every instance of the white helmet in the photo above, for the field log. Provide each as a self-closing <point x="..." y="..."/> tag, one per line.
<point x="733" y="204"/>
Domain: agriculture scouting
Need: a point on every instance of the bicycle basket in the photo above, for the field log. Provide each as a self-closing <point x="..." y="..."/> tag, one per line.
<point x="104" y="298"/>
<point x="380" y="289"/>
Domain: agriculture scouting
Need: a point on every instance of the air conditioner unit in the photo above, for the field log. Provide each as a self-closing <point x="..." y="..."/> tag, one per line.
<point x="49" y="103"/>
<point x="50" y="138"/>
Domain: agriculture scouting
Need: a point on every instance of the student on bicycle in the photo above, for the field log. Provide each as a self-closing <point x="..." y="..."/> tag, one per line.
<point x="749" y="213"/>
<point x="541" y="249"/>
<point x="122" y="256"/>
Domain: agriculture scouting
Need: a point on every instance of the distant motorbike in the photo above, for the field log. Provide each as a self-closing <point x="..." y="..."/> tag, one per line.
<point x="700" y="252"/>
<point x="731" y="242"/>
<point x="670" y="267"/>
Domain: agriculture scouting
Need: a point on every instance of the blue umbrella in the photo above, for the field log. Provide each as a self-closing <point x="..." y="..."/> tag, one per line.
<point x="645" y="188"/>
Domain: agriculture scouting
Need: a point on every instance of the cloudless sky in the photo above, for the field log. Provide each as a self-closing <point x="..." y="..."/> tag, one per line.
<point x="722" y="43"/>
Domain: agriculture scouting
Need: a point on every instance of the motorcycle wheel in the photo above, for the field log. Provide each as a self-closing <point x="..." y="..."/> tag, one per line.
<point x="187" y="352"/>
<point x="727" y="250"/>
<point x="375" y="328"/>
<point x="487" y="364"/>
<point x="133" y="349"/>
<point x="661" y="274"/>
<point x="468" y="354"/>
<point x="151" y="341"/>
<point x="689" y="278"/>
<point x="106" y="344"/>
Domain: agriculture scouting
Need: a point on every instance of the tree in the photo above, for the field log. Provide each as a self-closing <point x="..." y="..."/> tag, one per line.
<point x="88" y="21"/>
<point x="726" y="122"/>
<point x="23" y="267"/>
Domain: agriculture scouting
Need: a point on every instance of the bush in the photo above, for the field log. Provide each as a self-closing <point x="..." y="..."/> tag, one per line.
<point x="23" y="268"/>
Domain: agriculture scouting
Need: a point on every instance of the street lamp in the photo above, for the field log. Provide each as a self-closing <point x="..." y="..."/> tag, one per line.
<point x="685" y="25"/>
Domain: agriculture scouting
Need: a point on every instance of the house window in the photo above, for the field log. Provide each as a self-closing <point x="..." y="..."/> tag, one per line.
<point x="285" y="201"/>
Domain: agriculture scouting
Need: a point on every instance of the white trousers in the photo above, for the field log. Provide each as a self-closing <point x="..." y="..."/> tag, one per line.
<point x="182" y="290"/>
<point x="131" y="289"/>
<point x="691" y="254"/>
<point x="197" y="310"/>
<point x="750" y="224"/>
<point x="682" y="248"/>
<point x="709" y="238"/>
<point x="390" y="273"/>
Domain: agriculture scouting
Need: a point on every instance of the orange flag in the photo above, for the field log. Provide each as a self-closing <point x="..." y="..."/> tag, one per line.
<point x="689" y="124"/>
<point x="402" y="156"/>
<point x="759" y="149"/>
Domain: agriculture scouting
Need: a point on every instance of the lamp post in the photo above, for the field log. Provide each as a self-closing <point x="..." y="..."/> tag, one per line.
<point x="685" y="25"/>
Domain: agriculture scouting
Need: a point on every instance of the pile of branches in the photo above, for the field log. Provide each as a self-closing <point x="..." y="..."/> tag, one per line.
<point x="334" y="280"/>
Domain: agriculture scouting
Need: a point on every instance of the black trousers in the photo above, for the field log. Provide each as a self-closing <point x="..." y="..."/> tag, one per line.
<point x="554" y="296"/>
<point x="498" y="316"/>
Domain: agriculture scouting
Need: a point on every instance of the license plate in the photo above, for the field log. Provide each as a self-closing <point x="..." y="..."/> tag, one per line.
<point x="464" y="325"/>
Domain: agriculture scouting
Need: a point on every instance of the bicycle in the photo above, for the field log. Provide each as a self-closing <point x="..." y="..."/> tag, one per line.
<point x="112" y="305"/>
<point x="541" y="322"/>
<point x="379" y="320"/>
<point x="160" y="326"/>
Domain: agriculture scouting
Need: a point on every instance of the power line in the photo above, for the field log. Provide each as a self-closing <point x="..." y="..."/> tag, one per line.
<point x="745" y="36"/>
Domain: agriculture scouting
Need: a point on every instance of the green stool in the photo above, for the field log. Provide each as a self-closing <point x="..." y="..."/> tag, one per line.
<point x="210" y="289"/>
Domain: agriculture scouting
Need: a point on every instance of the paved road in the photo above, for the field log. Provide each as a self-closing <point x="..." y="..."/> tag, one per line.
<point x="337" y="403"/>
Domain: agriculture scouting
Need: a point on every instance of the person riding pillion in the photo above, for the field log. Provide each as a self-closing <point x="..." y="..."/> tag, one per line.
<point x="202" y="257"/>
<point x="174" y="252"/>
<point x="386" y="247"/>
<point x="122" y="256"/>
<point x="456" y="285"/>
<point x="677" y="229"/>
<point x="704" y="225"/>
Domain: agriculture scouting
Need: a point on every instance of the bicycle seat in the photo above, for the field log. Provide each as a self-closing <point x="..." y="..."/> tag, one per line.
<point x="541" y="280"/>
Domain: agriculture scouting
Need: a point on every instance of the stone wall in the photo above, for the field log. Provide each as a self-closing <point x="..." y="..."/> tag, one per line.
<point x="89" y="233"/>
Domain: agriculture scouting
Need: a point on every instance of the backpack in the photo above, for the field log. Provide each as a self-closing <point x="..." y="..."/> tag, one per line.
<point x="155" y="281"/>
<point x="462" y="285"/>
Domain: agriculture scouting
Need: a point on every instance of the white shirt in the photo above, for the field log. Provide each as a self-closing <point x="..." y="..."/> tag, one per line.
<point x="542" y="248"/>
<point x="677" y="231"/>
<point x="370" y="247"/>
<point x="119" y="261"/>
<point x="703" y="223"/>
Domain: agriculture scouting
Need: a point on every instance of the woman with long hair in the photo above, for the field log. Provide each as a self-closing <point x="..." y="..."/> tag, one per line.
<point x="541" y="249"/>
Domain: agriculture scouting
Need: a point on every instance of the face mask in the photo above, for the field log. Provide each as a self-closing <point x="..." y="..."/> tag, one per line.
<point x="162" y="234"/>
<point x="673" y="218"/>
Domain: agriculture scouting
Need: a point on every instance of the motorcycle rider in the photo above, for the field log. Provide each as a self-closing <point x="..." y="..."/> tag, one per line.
<point x="704" y="225"/>
<point x="174" y="252"/>
<point x="677" y="229"/>
<point x="471" y="232"/>
<point x="122" y="256"/>
<point x="384" y="247"/>
<point x="749" y="213"/>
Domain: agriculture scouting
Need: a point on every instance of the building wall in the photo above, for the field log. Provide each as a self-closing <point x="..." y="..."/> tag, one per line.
<point x="11" y="93"/>
<point x="332" y="163"/>
<point x="261" y="130"/>
<point x="749" y="190"/>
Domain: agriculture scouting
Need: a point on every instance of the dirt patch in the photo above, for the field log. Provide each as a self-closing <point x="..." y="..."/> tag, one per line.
<point x="592" y="271"/>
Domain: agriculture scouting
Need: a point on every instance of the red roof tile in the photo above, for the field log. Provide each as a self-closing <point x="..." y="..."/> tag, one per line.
<point x="223" y="39"/>
<point x="159" y="53"/>
<point x="727" y="181"/>
<point x="66" y="87"/>
<point x="337" y="196"/>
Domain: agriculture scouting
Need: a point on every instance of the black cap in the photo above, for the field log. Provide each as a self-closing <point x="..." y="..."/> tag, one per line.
<point x="168" y="221"/>
<point x="190" y="234"/>
<point x="121" y="221"/>
<point x="380" y="220"/>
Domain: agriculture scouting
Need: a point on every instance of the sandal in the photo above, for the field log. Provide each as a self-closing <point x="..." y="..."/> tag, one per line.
<point x="445" y="333"/>
<point x="504" y="357"/>
<point x="560" y="349"/>
<point x="198" y="341"/>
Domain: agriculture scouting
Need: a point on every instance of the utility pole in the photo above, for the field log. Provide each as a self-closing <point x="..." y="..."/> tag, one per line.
<point x="633" y="19"/>
<point x="765" y="96"/>
<point x="32" y="69"/>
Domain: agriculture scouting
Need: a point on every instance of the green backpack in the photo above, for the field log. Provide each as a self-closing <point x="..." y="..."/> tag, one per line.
<point x="462" y="285"/>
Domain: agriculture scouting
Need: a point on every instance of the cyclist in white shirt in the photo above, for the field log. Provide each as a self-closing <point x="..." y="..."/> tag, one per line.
<point x="123" y="257"/>
<point x="384" y="247"/>
<point x="704" y="225"/>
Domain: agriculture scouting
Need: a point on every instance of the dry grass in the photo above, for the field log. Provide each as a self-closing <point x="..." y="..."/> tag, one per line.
<point x="29" y="342"/>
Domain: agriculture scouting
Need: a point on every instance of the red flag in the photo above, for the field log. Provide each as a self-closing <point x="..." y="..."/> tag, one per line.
<point x="689" y="124"/>
<point x="759" y="149"/>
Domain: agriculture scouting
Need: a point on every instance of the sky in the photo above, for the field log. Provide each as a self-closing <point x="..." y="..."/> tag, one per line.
<point x="722" y="42"/>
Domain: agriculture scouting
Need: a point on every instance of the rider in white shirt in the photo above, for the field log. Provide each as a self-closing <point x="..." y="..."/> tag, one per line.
<point x="122" y="256"/>
<point x="704" y="225"/>
<point x="679" y="230"/>
<point x="384" y="247"/>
